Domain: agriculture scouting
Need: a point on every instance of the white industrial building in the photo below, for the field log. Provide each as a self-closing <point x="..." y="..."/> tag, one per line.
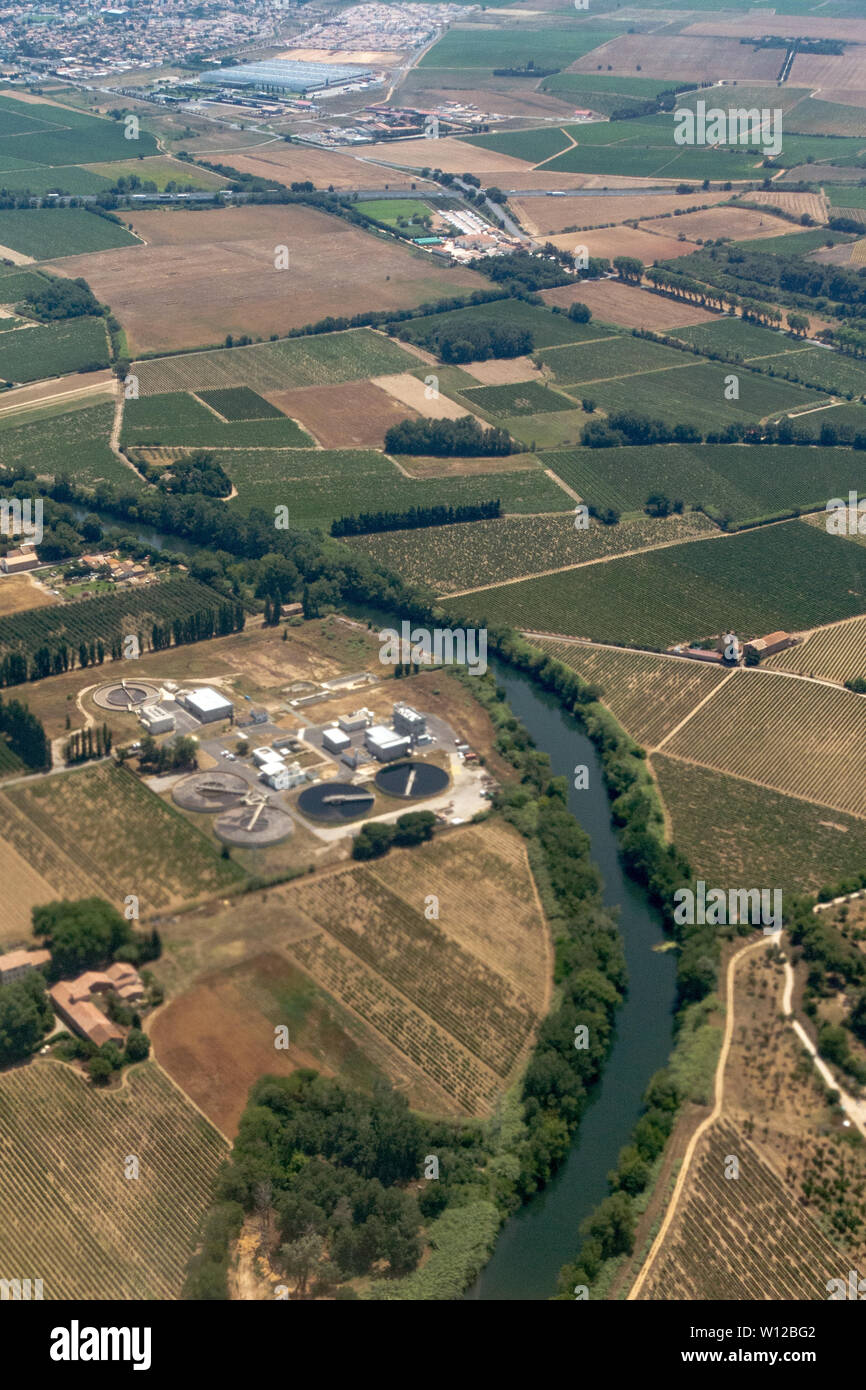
<point x="156" y="720"/>
<point x="279" y="775"/>
<point x="335" y="741"/>
<point x="384" y="744"/>
<point x="354" y="723"/>
<point x="208" y="705"/>
<point x="409" y="722"/>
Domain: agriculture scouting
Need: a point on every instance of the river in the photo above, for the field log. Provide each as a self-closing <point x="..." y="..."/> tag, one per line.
<point x="543" y="1235"/>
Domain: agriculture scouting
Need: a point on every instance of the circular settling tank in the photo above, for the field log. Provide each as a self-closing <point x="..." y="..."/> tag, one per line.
<point x="210" y="791"/>
<point x="130" y="696"/>
<point x="254" y="826"/>
<point x="413" y="780"/>
<point x="335" y="801"/>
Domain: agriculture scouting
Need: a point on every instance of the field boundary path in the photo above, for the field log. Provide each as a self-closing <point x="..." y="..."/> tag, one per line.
<point x="715" y="1113"/>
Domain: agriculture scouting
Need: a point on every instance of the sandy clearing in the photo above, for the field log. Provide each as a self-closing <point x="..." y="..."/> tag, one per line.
<point x="613" y="302"/>
<point x="16" y="257"/>
<point x="410" y="391"/>
<point x="386" y="56"/>
<point x="18" y="592"/>
<point x="503" y="371"/>
<point x="59" y="388"/>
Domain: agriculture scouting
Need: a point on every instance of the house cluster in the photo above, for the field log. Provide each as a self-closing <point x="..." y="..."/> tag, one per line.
<point x="111" y="566"/>
<point x="73" y="1001"/>
<point x="730" y="651"/>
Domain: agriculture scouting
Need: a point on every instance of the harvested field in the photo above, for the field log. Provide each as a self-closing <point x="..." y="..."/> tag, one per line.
<point x="25" y="889"/>
<point x="819" y="70"/>
<point x="781" y="22"/>
<point x="614" y="302"/>
<point x="295" y="163"/>
<point x="469" y="468"/>
<point x="797" y="737"/>
<point x="649" y="695"/>
<point x="452" y="157"/>
<point x="59" y="390"/>
<point x="217" y="1038"/>
<point x="683" y="57"/>
<point x="20" y="591"/>
<point x="547" y="216"/>
<point x="628" y="241"/>
<point x="205" y="274"/>
<point x="119" y="835"/>
<point x="408" y="390"/>
<point x="814" y="205"/>
<point x="503" y="371"/>
<point x="462" y="996"/>
<point x="354" y="415"/>
<point x="64" y="1152"/>
<point x="735" y="222"/>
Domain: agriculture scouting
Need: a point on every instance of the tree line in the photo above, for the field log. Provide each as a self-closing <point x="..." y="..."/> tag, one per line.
<point x="462" y="438"/>
<point x="415" y="518"/>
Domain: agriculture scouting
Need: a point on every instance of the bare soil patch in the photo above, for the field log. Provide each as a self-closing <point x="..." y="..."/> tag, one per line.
<point x="817" y="70"/>
<point x="626" y="241"/>
<point x="25" y="889"/>
<point x="738" y="223"/>
<point x="466" y="468"/>
<point x="19" y="592"/>
<point x="682" y="56"/>
<point x="546" y="216"/>
<point x="43" y="392"/>
<point x="205" y="274"/>
<point x="503" y="371"/>
<point x="449" y="155"/>
<point x="789" y="26"/>
<point x="613" y="302"/>
<point x="355" y="414"/>
<point x="408" y="390"/>
<point x="293" y="163"/>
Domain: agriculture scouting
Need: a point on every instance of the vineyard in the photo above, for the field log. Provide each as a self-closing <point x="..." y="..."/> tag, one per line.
<point x="649" y="695"/>
<point x="804" y="739"/>
<point x="52" y="349"/>
<point x="180" y="419"/>
<point x="836" y="653"/>
<point x="791" y="576"/>
<point x="733" y="831"/>
<point x="316" y="360"/>
<point x="741" y="482"/>
<point x="49" y="443"/>
<point x="104" y="826"/>
<point x="46" y="232"/>
<point x="459" y="997"/>
<point x="319" y="486"/>
<point x="71" y="1216"/>
<point x="492" y="552"/>
<point x="39" y="637"/>
<point x="743" y="1239"/>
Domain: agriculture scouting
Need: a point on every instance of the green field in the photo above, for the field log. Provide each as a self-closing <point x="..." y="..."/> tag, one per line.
<point x="394" y="210"/>
<point x="179" y="419"/>
<point x="162" y="171"/>
<point x="540" y="143"/>
<point x="322" y="359"/>
<point x="742" y="482"/>
<point x="520" y="398"/>
<point x="72" y="180"/>
<point x="240" y="403"/>
<point x="451" y="558"/>
<point x="735" y="338"/>
<point x="320" y="485"/>
<point x="553" y="429"/>
<point x="47" y="232"/>
<point x="603" y="92"/>
<point x="733" y="831"/>
<point x="790" y="576"/>
<point x="846" y="195"/>
<point x="830" y="371"/>
<point x="547" y="328"/>
<point x="71" y="441"/>
<point x="816" y="117"/>
<point x="53" y="349"/>
<point x="19" y="284"/>
<point x="604" y="361"/>
<point x="499" y="48"/>
<point x="695" y="394"/>
<point x="794" y="243"/>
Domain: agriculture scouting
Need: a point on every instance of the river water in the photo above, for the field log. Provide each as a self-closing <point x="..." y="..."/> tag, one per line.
<point x="543" y="1235"/>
